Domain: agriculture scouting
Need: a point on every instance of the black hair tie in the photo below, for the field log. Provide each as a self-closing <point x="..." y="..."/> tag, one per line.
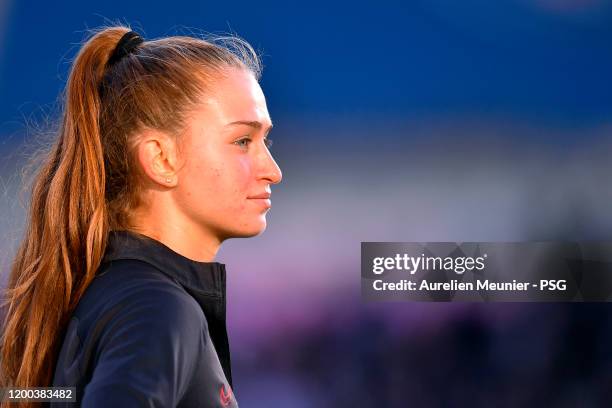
<point x="126" y="45"/>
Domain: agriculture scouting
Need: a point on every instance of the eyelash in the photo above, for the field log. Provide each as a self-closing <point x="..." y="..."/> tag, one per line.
<point x="267" y="141"/>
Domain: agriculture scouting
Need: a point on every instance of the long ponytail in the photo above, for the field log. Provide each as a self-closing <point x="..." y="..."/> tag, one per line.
<point x="67" y="229"/>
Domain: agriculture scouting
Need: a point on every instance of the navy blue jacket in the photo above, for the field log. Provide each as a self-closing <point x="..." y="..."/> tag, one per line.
<point x="148" y="332"/>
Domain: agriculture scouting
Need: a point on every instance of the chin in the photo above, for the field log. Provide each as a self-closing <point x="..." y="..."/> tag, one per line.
<point x="257" y="230"/>
<point x="250" y="230"/>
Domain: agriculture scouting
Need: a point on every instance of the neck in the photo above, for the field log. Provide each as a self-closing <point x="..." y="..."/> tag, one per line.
<point x="178" y="234"/>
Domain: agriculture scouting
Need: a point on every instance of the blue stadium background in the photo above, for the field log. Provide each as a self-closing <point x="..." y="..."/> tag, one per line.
<point x="430" y="120"/>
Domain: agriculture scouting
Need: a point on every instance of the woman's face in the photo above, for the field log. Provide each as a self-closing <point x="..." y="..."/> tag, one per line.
<point x="227" y="170"/>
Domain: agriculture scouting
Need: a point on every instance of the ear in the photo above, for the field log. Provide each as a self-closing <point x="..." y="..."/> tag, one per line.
<point x="157" y="156"/>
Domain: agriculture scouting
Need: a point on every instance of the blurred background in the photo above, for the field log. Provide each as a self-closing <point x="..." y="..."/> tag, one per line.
<point x="423" y="120"/>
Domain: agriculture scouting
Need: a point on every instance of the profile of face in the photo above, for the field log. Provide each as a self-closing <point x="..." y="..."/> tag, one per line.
<point x="223" y="181"/>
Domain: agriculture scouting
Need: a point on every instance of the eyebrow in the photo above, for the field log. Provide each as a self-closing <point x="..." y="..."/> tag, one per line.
<point x="253" y="123"/>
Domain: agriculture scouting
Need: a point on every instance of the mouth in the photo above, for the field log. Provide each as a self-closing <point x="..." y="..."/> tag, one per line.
<point x="265" y="203"/>
<point x="262" y="199"/>
<point x="262" y="196"/>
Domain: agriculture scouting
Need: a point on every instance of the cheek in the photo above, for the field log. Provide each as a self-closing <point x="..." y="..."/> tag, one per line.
<point x="235" y="179"/>
<point x="225" y="179"/>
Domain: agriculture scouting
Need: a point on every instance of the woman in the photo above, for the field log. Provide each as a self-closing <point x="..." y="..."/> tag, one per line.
<point x="162" y="154"/>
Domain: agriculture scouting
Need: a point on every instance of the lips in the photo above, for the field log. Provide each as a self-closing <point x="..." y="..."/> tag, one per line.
<point x="262" y="195"/>
<point x="263" y="199"/>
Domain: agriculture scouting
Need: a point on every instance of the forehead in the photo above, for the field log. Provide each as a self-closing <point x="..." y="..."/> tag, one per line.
<point x="235" y="96"/>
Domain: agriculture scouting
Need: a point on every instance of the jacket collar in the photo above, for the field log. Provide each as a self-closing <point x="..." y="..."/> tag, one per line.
<point x="207" y="278"/>
<point x="205" y="281"/>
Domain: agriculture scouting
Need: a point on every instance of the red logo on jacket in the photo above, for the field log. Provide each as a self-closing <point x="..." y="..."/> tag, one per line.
<point x="225" y="396"/>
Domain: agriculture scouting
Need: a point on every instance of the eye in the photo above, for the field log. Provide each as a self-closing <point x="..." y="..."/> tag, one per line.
<point x="243" y="143"/>
<point x="268" y="142"/>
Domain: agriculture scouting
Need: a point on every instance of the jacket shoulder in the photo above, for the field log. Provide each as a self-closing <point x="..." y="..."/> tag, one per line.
<point x="131" y="316"/>
<point x="126" y="283"/>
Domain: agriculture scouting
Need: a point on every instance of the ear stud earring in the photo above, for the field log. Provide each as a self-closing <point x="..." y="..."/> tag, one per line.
<point x="168" y="180"/>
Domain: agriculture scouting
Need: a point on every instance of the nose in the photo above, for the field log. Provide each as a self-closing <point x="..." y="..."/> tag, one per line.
<point x="269" y="169"/>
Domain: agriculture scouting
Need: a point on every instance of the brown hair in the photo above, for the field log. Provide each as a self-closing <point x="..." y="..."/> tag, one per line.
<point x="88" y="184"/>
